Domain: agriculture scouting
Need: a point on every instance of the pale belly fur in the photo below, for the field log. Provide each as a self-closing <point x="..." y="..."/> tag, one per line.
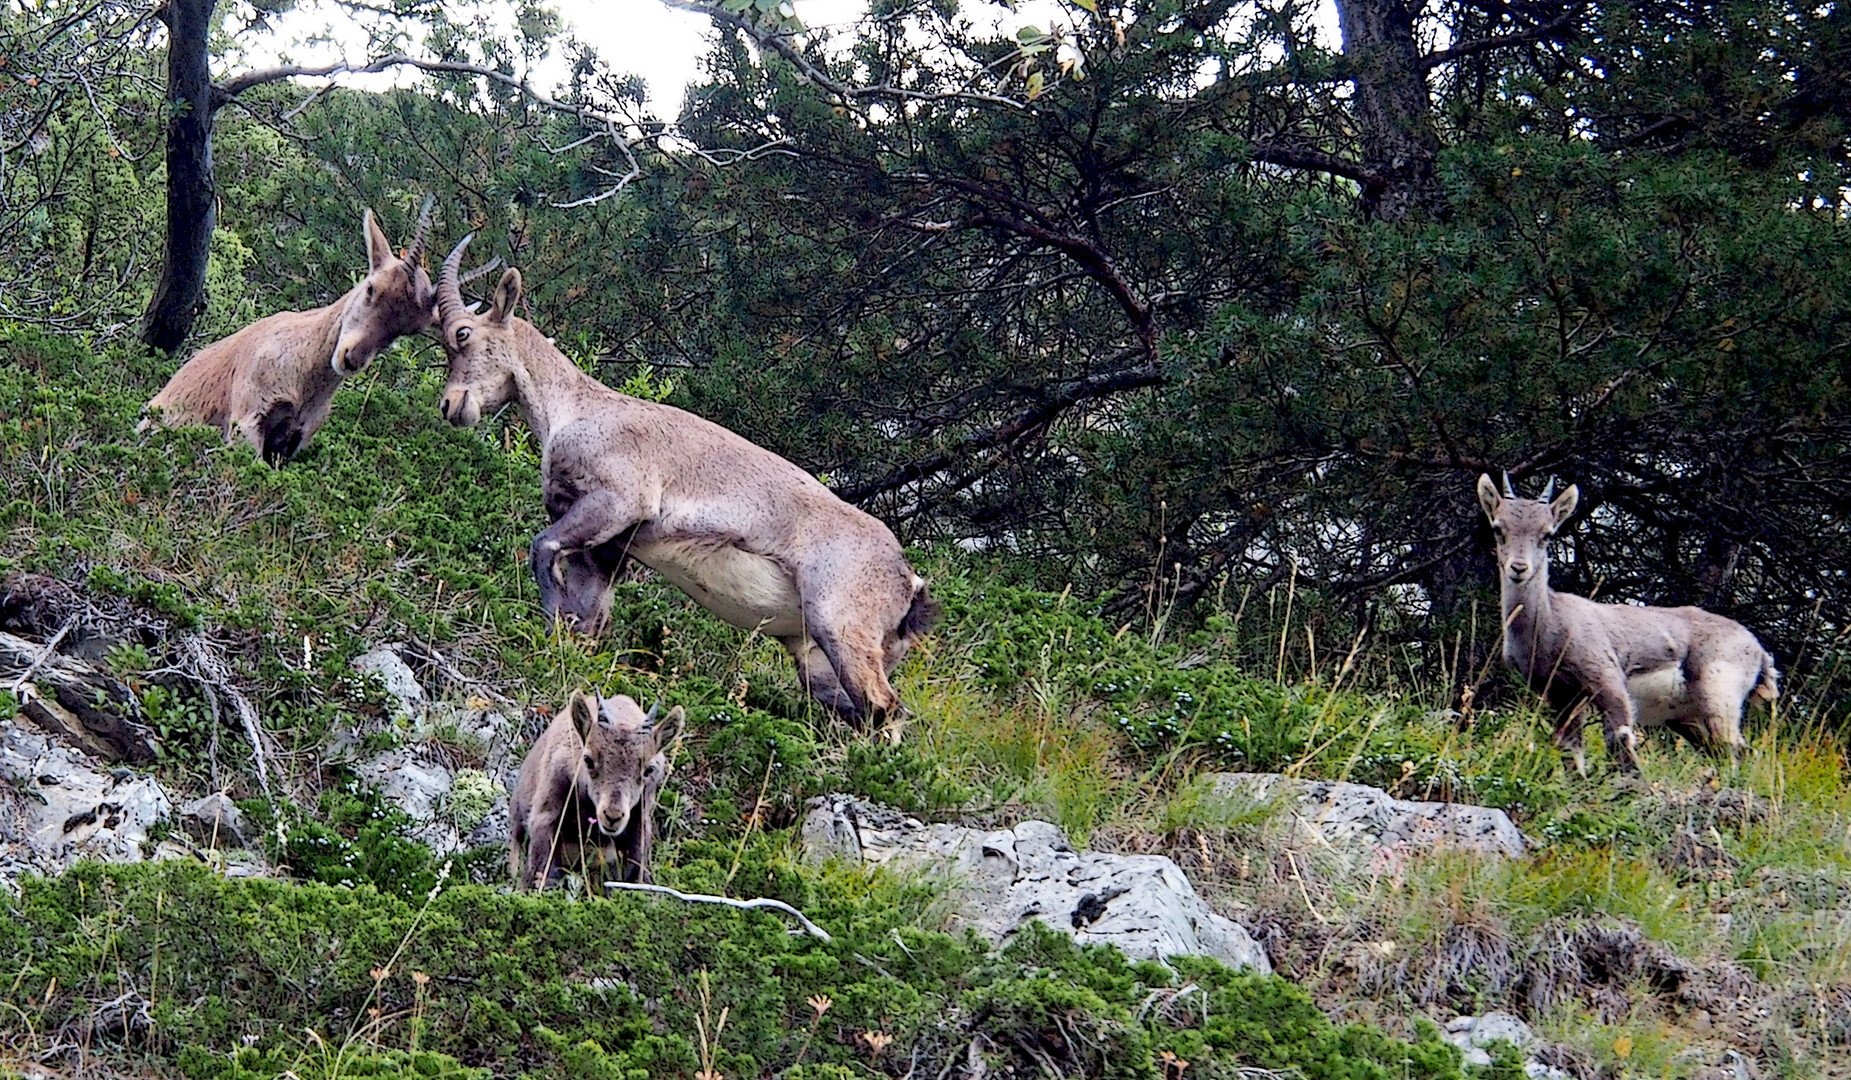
<point x="747" y="590"/>
<point x="1659" y="695"/>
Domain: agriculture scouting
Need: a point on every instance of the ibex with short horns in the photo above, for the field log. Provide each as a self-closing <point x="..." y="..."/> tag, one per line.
<point x="272" y="383"/>
<point x="1682" y="668"/>
<point x="751" y="537"/>
<point x="587" y="791"/>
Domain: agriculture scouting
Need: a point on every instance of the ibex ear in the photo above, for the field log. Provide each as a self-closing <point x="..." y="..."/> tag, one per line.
<point x="1564" y="504"/>
<point x="668" y="729"/>
<point x="378" y="248"/>
<point x="507" y="294"/>
<point x="1488" y="496"/>
<point x="583" y="709"/>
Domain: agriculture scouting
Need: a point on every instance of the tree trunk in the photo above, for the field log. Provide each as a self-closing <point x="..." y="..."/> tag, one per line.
<point x="192" y="196"/>
<point x="1393" y="106"/>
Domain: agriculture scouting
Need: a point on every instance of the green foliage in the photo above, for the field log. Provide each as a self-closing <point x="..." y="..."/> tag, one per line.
<point x="537" y="986"/>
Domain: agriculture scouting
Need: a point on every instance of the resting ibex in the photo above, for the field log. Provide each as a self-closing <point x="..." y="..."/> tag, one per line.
<point x="1682" y="668"/>
<point x="272" y="383"/>
<point x="751" y="537"/>
<point x="587" y="791"/>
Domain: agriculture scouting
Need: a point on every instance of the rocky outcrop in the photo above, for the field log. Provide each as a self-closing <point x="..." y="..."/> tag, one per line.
<point x="1358" y="825"/>
<point x="58" y="806"/>
<point x="1001" y="879"/>
<point x="453" y="765"/>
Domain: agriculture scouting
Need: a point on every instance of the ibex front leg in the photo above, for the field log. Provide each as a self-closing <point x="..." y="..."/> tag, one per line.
<point x="1619" y="722"/>
<point x="595" y="518"/>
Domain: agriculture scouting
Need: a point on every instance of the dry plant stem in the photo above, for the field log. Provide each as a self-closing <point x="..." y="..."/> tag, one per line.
<point x="751" y="819"/>
<point x="745" y="905"/>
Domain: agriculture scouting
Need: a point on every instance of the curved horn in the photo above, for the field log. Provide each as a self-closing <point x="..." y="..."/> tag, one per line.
<point x="480" y="270"/>
<point x="449" y="288"/>
<point x="649" y="718"/>
<point x="1548" y="489"/>
<point x="415" y="253"/>
<point x="1509" y="492"/>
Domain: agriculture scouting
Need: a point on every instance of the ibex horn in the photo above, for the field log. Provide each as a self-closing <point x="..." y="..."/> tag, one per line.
<point x="1548" y="489"/>
<point x="1509" y="492"/>
<point x="480" y="270"/>
<point x="415" y="253"/>
<point x="649" y="718"/>
<point x="449" y="287"/>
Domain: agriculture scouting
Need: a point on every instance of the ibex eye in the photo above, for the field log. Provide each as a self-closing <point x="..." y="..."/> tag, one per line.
<point x="462" y="335"/>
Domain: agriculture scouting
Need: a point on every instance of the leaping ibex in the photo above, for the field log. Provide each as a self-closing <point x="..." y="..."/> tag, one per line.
<point x="1682" y="668"/>
<point x="752" y="538"/>
<point x="272" y="383"/>
<point x="587" y="791"/>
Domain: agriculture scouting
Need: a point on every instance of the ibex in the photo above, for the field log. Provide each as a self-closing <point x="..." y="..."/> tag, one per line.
<point x="272" y="383"/>
<point x="1682" y="668"/>
<point x="587" y="791"/>
<point x="751" y="537"/>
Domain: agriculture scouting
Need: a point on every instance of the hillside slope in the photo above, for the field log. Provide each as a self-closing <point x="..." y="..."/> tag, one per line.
<point x="1655" y="928"/>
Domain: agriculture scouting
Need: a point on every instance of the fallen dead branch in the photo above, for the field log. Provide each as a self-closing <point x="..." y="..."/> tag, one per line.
<point x="745" y="905"/>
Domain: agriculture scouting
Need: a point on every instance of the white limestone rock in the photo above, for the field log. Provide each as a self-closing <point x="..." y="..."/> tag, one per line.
<point x="1001" y="879"/>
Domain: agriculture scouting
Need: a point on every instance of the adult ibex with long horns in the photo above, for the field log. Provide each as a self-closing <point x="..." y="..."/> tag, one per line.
<point x="752" y="538"/>
<point x="1682" y="668"/>
<point x="272" y="383"/>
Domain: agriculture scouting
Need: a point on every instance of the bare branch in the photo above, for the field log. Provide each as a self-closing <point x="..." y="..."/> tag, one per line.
<point x="1554" y="29"/>
<point x="782" y="43"/>
<point x="745" y="905"/>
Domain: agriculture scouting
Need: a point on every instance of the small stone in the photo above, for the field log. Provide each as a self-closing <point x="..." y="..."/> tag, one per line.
<point x="215" y="820"/>
<point x="401" y="685"/>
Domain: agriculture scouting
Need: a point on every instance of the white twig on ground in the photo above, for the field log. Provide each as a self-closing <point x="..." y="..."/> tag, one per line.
<point x="703" y="898"/>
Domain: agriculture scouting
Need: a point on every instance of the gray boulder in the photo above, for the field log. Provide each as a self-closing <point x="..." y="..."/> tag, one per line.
<point x="1000" y="879"/>
<point x="214" y="820"/>
<point x="401" y="685"/>
<point x="58" y="806"/>
<point x="1353" y="819"/>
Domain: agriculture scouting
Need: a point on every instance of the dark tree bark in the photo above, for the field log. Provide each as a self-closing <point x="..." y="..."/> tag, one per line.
<point x="1393" y="107"/>
<point x="192" y="194"/>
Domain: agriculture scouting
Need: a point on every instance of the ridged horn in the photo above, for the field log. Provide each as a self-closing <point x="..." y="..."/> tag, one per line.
<point x="1548" y="490"/>
<point x="449" y="286"/>
<point x="414" y="254"/>
<point x="1509" y="492"/>
<point x="480" y="270"/>
<point x="649" y="718"/>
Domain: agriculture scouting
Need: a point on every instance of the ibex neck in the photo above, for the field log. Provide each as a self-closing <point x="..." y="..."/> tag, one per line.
<point x="1527" y="609"/>
<point x="550" y="386"/>
<point x="325" y="329"/>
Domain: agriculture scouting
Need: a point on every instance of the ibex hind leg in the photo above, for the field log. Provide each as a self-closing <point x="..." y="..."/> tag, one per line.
<point x="818" y="676"/>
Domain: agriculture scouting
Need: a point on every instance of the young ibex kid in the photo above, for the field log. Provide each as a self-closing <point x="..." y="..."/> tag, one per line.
<point x="1682" y="668"/>
<point x="587" y="791"/>
<point x="272" y="383"/>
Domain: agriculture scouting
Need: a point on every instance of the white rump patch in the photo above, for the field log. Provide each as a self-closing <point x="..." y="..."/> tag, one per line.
<point x="1659" y="696"/>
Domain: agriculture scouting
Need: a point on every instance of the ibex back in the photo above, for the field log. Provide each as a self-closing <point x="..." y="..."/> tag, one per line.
<point x="753" y="538"/>
<point x="272" y="383"/>
<point x="1682" y="668"/>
